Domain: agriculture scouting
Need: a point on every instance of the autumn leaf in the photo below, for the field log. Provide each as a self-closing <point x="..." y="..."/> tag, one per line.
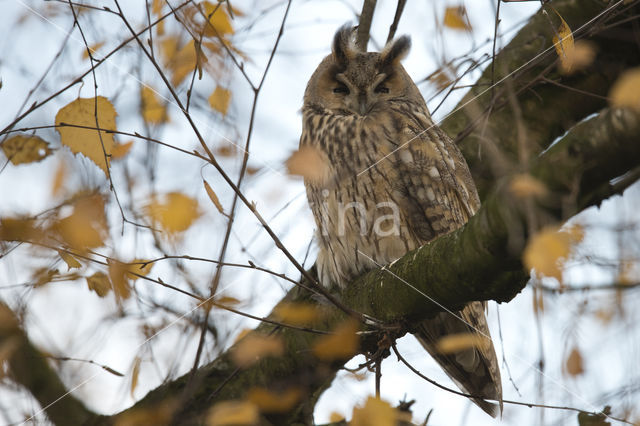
<point x="573" y="364"/>
<point x="455" y="17"/>
<point x="343" y="343"/>
<point x="525" y="185"/>
<point x="309" y="163"/>
<point x="71" y="261"/>
<point x="269" y="401"/>
<point x="153" y="110"/>
<point x="59" y="178"/>
<point x="578" y="58"/>
<point x="218" y="20"/>
<point x="625" y="92"/>
<point x="375" y="412"/>
<point x="253" y="347"/>
<point x="99" y="282"/>
<point x="336" y="417"/>
<point x="138" y="267"/>
<point x="563" y="42"/>
<point x="43" y="276"/>
<point x="220" y="99"/>
<point x="212" y="196"/>
<point x="297" y="313"/>
<point x="174" y="213"/>
<point x="135" y="373"/>
<point x="547" y="250"/>
<point x="226" y="150"/>
<point x="453" y="343"/>
<point x="18" y="229"/>
<point x="93" y="48"/>
<point x="119" y="276"/>
<point x="180" y="60"/>
<point x="86" y="227"/>
<point x="233" y="413"/>
<point x="23" y="149"/>
<point x="161" y="413"/>
<point x="226" y="301"/>
<point x="94" y="145"/>
<point x="120" y="150"/>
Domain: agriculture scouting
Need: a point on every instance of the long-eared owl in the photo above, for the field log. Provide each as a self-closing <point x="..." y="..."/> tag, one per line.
<point x="394" y="181"/>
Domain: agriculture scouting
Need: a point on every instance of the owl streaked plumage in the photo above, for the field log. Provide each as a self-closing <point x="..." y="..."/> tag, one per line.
<point x="395" y="181"/>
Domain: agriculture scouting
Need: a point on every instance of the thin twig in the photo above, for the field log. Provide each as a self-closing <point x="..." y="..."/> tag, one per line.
<point x="396" y="20"/>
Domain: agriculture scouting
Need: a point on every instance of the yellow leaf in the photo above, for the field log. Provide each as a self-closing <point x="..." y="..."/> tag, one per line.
<point x="89" y="142"/>
<point x="335" y="417"/>
<point x="120" y="150"/>
<point x="153" y="110"/>
<point x="181" y="61"/>
<point x="86" y="227"/>
<point x="175" y="213"/>
<point x="525" y="185"/>
<point x="274" y="402"/>
<point x="218" y="20"/>
<point x="135" y="373"/>
<point x="93" y="48"/>
<point x="441" y="79"/>
<point x="161" y="413"/>
<point x="578" y="58"/>
<point x="71" y="261"/>
<point x="44" y="276"/>
<point x="297" y="313"/>
<point x="547" y="250"/>
<point x="253" y="347"/>
<point x="156" y="7"/>
<point x="226" y="150"/>
<point x="118" y="274"/>
<point x="374" y="413"/>
<point x="227" y="301"/>
<point x="23" y="149"/>
<point x="233" y="413"/>
<point x="138" y="267"/>
<point x="453" y="343"/>
<point x="341" y="344"/>
<point x="99" y="282"/>
<point x="563" y="42"/>
<point x="18" y="229"/>
<point x="626" y="90"/>
<point x="573" y="364"/>
<point x="220" y="99"/>
<point x="59" y="178"/>
<point x="309" y="163"/>
<point x="213" y="197"/>
<point x="456" y="17"/>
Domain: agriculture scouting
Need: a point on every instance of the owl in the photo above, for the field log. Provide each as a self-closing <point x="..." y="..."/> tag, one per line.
<point x="392" y="181"/>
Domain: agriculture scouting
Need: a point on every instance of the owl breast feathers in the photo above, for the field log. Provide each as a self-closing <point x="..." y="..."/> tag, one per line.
<point x="394" y="182"/>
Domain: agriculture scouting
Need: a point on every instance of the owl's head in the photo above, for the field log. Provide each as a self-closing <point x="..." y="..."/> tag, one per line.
<point x="349" y="81"/>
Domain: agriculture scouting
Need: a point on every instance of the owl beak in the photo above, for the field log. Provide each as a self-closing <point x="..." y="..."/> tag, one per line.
<point x="363" y="104"/>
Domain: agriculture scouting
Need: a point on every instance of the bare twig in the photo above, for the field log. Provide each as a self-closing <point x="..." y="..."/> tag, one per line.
<point x="364" y="26"/>
<point x="396" y="20"/>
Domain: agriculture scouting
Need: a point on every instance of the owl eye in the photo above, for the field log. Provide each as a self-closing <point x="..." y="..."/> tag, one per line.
<point x="341" y="89"/>
<point x="382" y="89"/>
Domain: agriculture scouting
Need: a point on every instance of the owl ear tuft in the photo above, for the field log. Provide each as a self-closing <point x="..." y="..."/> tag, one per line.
<point x="395" y="51"/>
<point x="343" y="47"/>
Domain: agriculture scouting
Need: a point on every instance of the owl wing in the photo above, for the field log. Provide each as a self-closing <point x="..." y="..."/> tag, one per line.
<point x="439" y="197"/>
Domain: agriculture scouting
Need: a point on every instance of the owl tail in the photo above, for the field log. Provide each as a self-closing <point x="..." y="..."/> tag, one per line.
<point x="474" y="369"/>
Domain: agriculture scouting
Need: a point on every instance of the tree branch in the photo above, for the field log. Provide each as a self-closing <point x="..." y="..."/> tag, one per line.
<point x="29" y="368"/>
<point x="364" y="26"/>
<point x="480" y="261"/>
